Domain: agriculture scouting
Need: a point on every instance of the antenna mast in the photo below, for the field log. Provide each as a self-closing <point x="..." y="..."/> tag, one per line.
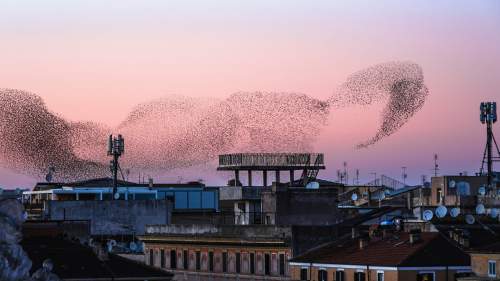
<point x="116" y="147"/>
<point x="488" y="116"/>
<point x="436" y="165"/>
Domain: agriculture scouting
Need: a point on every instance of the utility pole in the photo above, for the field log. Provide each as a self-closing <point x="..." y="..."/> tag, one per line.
<point x="116" y="147"/>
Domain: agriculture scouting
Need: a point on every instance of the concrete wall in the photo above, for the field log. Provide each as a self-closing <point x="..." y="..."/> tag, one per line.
<point x="302" y="206"/>
<point x="218" y="250"/>
<point x="371" y="275"/>
<point x="479" y="263"/>
<point x="208" y="230"/>
<point x="116" y="217"/>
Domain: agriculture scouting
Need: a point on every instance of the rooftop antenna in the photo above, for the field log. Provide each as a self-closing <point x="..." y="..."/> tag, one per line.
<point x="436" y="165"/>
<point x="346" y="176"/>
<point x="488" y="116"/>
<point x="50" y="174"/>
<point x="404" y="175"/>
<point x="116" y="147"/>
<point x="357" y="176"/>
<point x="375" y="178"/>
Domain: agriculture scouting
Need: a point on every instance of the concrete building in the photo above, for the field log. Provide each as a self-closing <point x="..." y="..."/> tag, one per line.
<point x="383" y="257"/>
<point x="197" y="252"/>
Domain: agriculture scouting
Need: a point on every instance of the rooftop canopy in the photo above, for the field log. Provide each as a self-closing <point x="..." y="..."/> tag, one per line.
<point x="271" y="161"/>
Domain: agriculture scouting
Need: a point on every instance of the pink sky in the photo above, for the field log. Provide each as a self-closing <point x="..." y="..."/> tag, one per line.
<point x="95" y="60"/>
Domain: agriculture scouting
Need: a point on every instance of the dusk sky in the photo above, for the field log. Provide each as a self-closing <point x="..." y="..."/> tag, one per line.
<point x="95" y="60"/>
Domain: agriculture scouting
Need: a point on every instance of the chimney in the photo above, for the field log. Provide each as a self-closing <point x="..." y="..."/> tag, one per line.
<point x="362" y="243"/>
<point x="414" y="236"/>
<point x="464" y="241"/>
<point x="354" y="233"/>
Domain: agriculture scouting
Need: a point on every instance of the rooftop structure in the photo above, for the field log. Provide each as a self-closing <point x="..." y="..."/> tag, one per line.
<point x="308" y="163"/>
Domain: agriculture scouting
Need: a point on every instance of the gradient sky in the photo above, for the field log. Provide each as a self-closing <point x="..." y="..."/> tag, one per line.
<point x="94" y="60"/>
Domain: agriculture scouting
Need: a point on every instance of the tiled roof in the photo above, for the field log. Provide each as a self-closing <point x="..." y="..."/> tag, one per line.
<point x="396" y="250"/>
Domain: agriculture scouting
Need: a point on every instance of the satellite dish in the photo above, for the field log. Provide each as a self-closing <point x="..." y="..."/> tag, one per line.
<point x="441" y="211"/>
<point x="428" y="215"/>
<point x="312" y="185"/>
<point x="452" y="184"/>
<point x="455" y="212"/>
<point x="112" y="242"/>
<point x="354" y="197"/>
<point x="117" y="196"/>
<point x="480" y="209"/>
<point x="494" y="213"/>
<point x="482" y="190"/>
<point x="469" y="219"/>
<point x="133" y="246"/>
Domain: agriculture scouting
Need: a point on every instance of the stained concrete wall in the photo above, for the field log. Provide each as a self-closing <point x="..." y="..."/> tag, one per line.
<point x="116" y="217"/>
<point x="300" y="206"/>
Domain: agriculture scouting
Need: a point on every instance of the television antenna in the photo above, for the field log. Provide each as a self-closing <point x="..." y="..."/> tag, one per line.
<point x="404" y="175"/>
<point x="436" y="165"/>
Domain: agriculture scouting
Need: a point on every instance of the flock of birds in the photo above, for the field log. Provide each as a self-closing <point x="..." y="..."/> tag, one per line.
<point x="178" y="132"/>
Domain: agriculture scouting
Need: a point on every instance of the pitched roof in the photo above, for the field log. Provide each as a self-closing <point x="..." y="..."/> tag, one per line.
<point x="432" y="250"/>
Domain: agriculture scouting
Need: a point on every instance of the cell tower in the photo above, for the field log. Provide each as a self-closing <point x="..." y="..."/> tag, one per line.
<point x="489" y="117"/>
<point x="116" y="147"/>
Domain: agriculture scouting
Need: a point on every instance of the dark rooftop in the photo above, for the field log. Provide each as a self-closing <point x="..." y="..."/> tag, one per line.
<point x="74" y="261"/>
<point x="108" y="182"/>
<point x="396" y="250"/>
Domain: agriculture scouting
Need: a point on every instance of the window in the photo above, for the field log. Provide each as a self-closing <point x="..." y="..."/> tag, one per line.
<point x="252" y="263"/>
<point x="211" y="261"/>
<point x="185" y="259"/>
<point x="380" y="276"/>
<point x="198" y="260"/>
<point x="322" y="275"/>
<point x="173" y="259"/>
<point x="282" y="264"/>
<point x="492" y="268"/>
<point x="151" y="257"/>
<point x="238" y="262"/>
<point x="224" y="262"/>
<point x="425" y="276"/>
<point x="267" y="264"/>
<point x="359" y="276"/>
<point x="339" y="275"/>
<point x="162" y="258"/>
<point x="303" y="274"/>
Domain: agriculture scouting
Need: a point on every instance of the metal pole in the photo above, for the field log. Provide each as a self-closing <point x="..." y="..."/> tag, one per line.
<point x="489" y="133"/>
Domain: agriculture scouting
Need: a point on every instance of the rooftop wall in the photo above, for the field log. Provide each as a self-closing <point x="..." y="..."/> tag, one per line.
<point x="240" y="231"/>
<point x="112" y="217"/>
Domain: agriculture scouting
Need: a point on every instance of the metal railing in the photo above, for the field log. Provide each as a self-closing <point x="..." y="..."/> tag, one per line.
<point x="270" y="159"/>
